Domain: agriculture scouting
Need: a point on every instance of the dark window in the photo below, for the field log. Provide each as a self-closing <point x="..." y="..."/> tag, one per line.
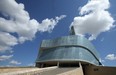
<point x="68" y="65"/>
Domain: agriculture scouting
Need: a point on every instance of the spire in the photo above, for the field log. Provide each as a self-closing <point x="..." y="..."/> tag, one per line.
<point x="72" y="31"/>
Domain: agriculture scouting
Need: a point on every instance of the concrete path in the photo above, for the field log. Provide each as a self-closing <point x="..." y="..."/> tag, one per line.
<point x="49" y="71"/>
<point x="33" y="71"/>
<point x="63" y="71"/>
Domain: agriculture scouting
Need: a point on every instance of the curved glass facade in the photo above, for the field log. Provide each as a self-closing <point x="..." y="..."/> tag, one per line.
<point x="68" y="48"/>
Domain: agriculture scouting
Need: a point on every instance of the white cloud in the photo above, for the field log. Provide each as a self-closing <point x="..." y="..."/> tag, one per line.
<point x="14" y="62"/>
<point x="49" y="24"/>
<point x="7" y="51"/>
<point x="31" y="64"/>
<point x="17" y="21"/>
<point x="6" y="41"/>
<point x="8" y="65"/>
<point x="111" y="57"/>
<point x="101" y="60"/>
<point x="102" y="39"/>
<point x="94" y="19"/>
<point x="5" y="57"/>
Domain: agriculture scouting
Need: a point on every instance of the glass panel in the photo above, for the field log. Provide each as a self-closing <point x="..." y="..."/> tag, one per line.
<point x="67" y="53"/>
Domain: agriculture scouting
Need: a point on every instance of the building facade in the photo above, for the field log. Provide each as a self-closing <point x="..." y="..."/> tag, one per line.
<point x="72" y="51"/>
<point x="67" y="49"/>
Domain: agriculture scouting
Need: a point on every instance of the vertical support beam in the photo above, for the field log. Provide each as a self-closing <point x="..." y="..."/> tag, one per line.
<point x="81" y="69"/>
<point x="57" y="64"/>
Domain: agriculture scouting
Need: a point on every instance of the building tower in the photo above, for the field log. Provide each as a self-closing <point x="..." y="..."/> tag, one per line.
<point x="67" y="51"/>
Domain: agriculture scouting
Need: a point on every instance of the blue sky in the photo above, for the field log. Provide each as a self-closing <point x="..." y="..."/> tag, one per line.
<point x="24" y="26"/>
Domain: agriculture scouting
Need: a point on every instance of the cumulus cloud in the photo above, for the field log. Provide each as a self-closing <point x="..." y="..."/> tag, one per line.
<point x="101" y="60"/>
<point x="49" y="24"/>
<point x="6" y="41"/>
<point x="16" y="20"/>
<point x="94" y="19"/>
<point x="111" y="57"/>
<point x="31" y="64"/>
<point x="14" y="62"/>
<point x="5" y="57"/>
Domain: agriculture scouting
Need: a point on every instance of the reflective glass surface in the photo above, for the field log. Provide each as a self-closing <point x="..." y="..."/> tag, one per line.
<point x="73" y="48"/>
